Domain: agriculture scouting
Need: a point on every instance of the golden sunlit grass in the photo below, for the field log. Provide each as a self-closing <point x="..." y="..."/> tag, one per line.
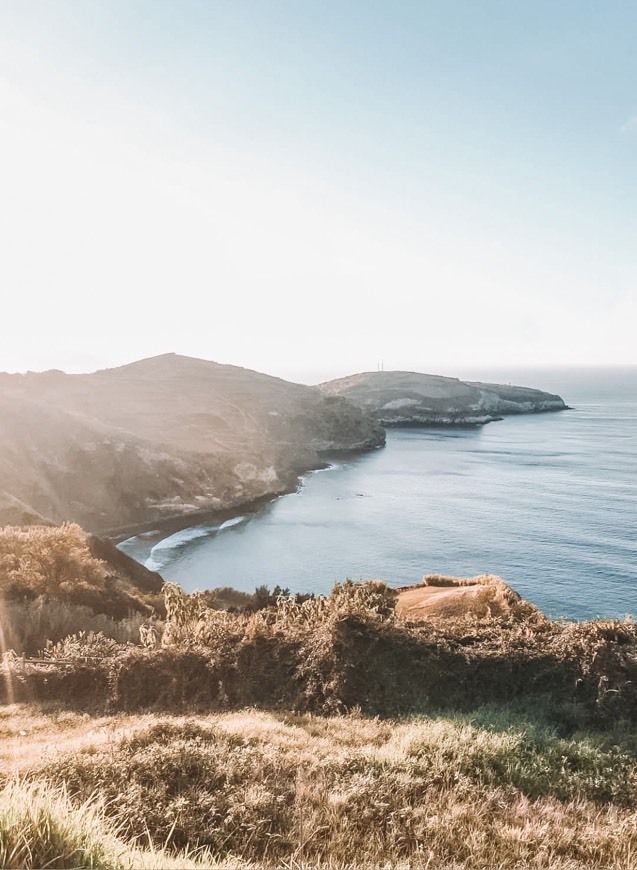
<point x="41" y="828"/>
<point x="494" y="768"/>
<point x="495" y="789"/>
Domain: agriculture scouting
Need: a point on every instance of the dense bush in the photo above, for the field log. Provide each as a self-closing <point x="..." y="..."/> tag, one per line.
<point x="330" y="655"/>
<point x="55" y="562"/>
<point x="41" y="560"/>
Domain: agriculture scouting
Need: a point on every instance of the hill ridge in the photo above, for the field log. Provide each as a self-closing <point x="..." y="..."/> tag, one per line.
<point x="161" y="438"/>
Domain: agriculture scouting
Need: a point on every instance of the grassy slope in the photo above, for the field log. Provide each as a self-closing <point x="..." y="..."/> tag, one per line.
<point x="499" y="788"/>
<point x="522" y="752"/>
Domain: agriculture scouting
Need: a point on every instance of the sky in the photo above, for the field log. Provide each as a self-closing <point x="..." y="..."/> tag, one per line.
<point x="312" y="188"/>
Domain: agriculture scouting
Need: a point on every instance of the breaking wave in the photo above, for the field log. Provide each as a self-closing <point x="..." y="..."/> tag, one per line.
<point x="163" y="550"/>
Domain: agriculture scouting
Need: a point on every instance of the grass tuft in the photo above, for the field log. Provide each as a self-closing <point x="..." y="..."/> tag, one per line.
<point x="41" y="828"/>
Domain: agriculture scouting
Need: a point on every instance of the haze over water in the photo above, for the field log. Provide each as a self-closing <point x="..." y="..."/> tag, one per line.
<point x="548" y="502"/>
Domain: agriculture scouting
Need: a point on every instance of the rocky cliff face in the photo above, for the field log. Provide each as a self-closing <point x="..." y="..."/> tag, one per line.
<point x="411" y="398"/>
<point x="165" y="437"/>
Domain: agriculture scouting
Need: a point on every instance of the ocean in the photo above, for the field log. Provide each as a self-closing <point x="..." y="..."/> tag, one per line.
<point x="548" y="502"/>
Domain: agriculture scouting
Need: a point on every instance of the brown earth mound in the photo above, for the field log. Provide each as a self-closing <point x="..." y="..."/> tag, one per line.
<point x="452" y="597"/>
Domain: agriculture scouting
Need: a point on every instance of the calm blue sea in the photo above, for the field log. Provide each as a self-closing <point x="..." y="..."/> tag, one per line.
<point x="548" y="502"/>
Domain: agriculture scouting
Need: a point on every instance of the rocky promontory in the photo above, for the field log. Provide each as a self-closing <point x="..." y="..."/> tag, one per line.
<point x="163" y="438"/>
<point x="412" y="398"/>
<point x="171" y="439"/>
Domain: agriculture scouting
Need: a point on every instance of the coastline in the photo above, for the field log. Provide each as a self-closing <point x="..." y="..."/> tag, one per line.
<point x="177" y="522"/>
<point x="173" y="523"/>
<point x="466" y="422"/>
<point x="465" y="507"/>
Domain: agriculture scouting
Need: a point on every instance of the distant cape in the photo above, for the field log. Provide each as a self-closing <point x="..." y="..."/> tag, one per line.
<point x="412" y="398"/>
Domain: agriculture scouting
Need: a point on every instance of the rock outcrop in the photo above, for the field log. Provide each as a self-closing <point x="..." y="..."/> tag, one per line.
<point x="411" y="398"/>
<point x="161" y="438"/>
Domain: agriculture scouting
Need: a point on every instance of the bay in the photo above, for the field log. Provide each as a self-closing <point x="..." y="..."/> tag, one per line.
<point x="548" y="502"/>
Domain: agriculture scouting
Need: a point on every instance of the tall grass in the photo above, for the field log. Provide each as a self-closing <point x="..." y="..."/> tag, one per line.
<point x="459" y="791"/>
<point x="41" y="828"/>
<point x="29" y="625"/>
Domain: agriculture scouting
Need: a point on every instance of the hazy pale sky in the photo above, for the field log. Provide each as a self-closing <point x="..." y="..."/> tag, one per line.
<point x="310" y="187"/>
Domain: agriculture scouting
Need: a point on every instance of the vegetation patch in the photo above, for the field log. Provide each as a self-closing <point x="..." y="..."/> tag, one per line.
<point x="52" y="585"/>
<point x="301" y="731"/>
<point x="494" y="789"/>
<point x="346" y="651"/>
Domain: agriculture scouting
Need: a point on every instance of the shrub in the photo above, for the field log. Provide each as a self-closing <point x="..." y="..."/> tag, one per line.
<point x="333" y="654"/>
<point x="56" y="562"/>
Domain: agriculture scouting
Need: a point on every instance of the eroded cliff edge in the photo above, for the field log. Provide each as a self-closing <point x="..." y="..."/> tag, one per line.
<point x="166" y="437"/>
<point x="412" y="398"/>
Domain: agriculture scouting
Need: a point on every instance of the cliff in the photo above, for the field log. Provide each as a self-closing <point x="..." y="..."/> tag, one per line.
<point x="161" y="438"/>
<point x="412" y="398"/>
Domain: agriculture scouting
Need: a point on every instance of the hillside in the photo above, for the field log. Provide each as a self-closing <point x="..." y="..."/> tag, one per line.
<point x="412" y="398"/>
<point x="450" y="724"/>
<point x="161" y="438"/>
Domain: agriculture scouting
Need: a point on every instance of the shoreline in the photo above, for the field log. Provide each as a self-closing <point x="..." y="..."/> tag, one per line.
<point x="169" y="525"/>
<point x="177" y="523"/>
<point x="468" y="422"/>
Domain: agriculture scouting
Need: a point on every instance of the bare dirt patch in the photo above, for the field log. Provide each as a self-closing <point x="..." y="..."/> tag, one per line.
<point x="453" y="597"/>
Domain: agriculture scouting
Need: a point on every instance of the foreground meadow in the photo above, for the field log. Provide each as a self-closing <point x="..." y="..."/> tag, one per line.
<point x="502" y="787"/>
<point x="357" y="730"/>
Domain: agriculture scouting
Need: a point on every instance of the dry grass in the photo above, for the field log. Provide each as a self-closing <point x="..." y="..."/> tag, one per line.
<point x="41" y="828"/>
<point x="31" y="733"/>
<point x="518" y="783"/>
<point x="494" y="789"/>
<point x="56" y="563"/>
<point x="29" y="625"/>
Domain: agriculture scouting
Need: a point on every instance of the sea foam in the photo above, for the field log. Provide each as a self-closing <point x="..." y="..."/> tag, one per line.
<point x="233" y="522"/>
<point x="161" y="552"/>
